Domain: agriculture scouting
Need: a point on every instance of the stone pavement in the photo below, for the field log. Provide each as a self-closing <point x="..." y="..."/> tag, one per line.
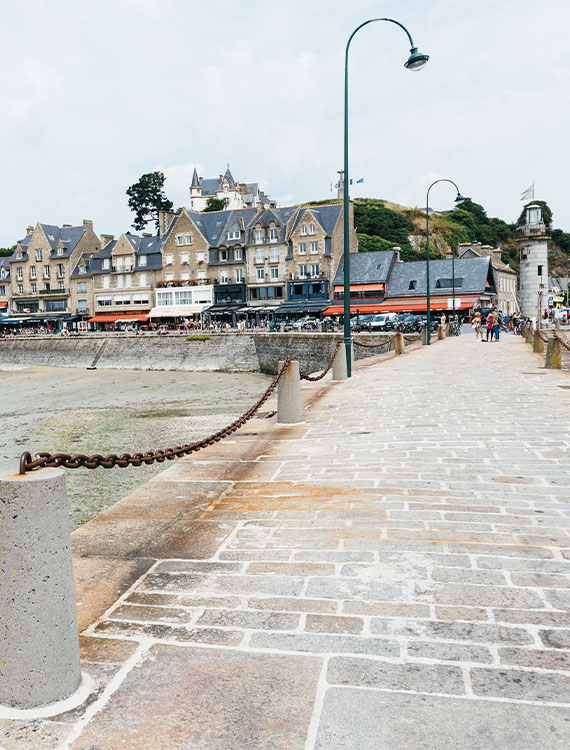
<point x="393" y="573"/>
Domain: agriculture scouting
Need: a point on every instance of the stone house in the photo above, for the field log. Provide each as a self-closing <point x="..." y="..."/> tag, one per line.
<point x="41" y="269"/>
<point x="184" y="248"/>
<point x="236" y="194"/>
<point x="505" y="278"/>
<point x="4" y="285"/>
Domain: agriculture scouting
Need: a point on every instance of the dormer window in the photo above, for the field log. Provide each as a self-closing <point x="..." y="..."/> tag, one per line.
<point x="449" y="283"/>
<point x="82" y="268"/>
<point x="273" y="235"/>
<point x="259" y="235"/>
<point x="237" y="253"/>
<point x="413" y="284"/>
<point x="60" y="251"/>
<point x="142" y="260"/>
<point x="106" y="264"/>
<point x="223" y="255"/>
<point x="304" y="229"/>
<point x="19" y="255"/>
<point x="234" y="235"/>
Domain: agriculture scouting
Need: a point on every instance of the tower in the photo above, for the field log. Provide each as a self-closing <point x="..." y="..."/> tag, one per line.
<point x="533" y="245"/>
<point x="195" y="189"/>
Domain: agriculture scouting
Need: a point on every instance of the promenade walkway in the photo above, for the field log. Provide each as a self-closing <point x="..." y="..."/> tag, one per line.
<point x="392" y="574"/>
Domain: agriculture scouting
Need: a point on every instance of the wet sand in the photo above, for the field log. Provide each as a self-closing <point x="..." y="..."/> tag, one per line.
<point x="113" y="411"/>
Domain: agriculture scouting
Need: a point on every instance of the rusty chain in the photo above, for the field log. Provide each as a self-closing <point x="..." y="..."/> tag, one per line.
<point x="373" y="346"/>
<point x="541" y="336"/>
<point x="314" y="379"/>
<point x="561" y="341"/>
<point x="44" y="460"/>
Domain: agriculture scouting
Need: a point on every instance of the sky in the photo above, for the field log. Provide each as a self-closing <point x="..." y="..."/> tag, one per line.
<point x="94" y="93"/>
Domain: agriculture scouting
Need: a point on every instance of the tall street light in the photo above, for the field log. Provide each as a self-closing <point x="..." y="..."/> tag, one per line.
<point x="415" y="61"/>
<point x="459" y="199"/>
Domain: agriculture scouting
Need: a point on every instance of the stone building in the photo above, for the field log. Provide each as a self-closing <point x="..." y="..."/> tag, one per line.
<point x="504" y="276"/>
<point x="236" y="194"/>
<point x="4" y="286"/>
<point x="41" y="269"/>
<point x="533" y="244"/>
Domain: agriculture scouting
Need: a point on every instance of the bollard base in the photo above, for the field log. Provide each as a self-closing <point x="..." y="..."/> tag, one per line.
<point x="85" y="689"/>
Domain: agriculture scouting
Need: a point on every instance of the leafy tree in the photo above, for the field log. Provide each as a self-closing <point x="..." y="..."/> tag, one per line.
<point x="368" y="243"/>
<point x="546" y="213"/>
<point x="6" y="251"/>
<point x="147" y="198"/>
<point x="216" y="204"/>
<point x="371" y="217"/>
<point x="562" y="239"/>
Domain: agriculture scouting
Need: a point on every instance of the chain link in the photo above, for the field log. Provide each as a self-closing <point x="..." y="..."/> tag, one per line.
<point x="44" y="459"/>
<point x="561" y="340"/>
<point x="313" y="379"/>
<point x="374" y="346"/>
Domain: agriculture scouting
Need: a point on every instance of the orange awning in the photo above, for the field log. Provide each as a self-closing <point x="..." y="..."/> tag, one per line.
<point x="362" y="308"/>
<point x="361" y="287"/>
<point x="115" y="317"/>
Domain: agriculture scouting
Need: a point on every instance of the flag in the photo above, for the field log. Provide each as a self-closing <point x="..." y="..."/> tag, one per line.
<point x="350" y="181"/>
<point x="528" y="193"/>
<point x="360" y="180"/>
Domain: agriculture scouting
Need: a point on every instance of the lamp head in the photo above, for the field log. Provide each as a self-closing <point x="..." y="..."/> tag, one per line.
<point x="460" y="199"/>
<point x="416" y="60"/>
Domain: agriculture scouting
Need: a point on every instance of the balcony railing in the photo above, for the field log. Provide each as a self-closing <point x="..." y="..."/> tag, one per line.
<point x="64" y="292"/>
<point x="185" y="282"/>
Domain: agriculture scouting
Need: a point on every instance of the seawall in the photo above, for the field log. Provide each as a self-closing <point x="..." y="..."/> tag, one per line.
<point x="231" y="352"/>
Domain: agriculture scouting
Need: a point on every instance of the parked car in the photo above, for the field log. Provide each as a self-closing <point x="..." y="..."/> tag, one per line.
<point x="382" y="322"/>
<point x="305" y="324"/>
<point x="360" y="322"/>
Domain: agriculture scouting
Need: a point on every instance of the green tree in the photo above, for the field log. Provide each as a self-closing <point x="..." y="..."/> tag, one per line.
<point x="6" y="251"/>
<point x="367" y="243"/>
<point x="216" y="204"/>
<point x="147" y="198"/>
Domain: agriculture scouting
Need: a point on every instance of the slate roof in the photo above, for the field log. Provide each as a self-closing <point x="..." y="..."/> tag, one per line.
<point x="279" y="216"/>
<point x="147" y="246"/>
<point x="195" y="179"/>
<point x="367" y="268"/>
<point x="5" y="268"/>
<point x="327" y="216"/>
<point x="210" y="186"/>
<point x="215" y="225"/>
<point x="67" y="236"/>
<point x="473" y="271"/>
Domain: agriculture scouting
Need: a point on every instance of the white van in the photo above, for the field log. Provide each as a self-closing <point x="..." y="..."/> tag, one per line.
<point x="382" y="321"/>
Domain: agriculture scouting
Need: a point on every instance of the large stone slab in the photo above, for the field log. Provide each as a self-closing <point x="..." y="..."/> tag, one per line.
<point x="365" y="719"/>
<point x="208" y="699"/>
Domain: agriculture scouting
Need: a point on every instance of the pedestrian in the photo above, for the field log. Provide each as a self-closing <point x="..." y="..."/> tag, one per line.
<point x="477" y="326"/>
<point x="489" y="322"/>
<point x="496" y="324"/>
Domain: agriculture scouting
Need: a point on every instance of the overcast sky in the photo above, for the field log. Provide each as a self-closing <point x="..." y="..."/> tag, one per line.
<point x="96" y="92"/>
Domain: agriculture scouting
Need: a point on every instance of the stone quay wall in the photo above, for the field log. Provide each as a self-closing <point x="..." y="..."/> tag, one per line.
<point x="231" y="352"/>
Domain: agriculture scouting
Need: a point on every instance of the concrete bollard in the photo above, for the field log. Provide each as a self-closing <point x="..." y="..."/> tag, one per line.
<point x="289" y="406"/>
<point x="424" y="336"/>
<point x="339" y="363"/>
<point x="39" y="647"/>
<point x="557" y="325"/>
<point x="537" y="343"/>
<point x="553" y="355"/>
<point x="399" y="347"/>
<point x="441" y="333"/>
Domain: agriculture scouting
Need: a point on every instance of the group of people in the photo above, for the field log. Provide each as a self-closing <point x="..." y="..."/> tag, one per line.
<point x="491" y="324"/>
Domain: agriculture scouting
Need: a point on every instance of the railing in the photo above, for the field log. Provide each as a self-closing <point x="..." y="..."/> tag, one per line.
<point x="54" y="291"/>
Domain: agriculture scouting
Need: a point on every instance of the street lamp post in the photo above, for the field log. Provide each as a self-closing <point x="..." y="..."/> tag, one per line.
<point x="415" y="61"/>
<point x="459" y="199"/>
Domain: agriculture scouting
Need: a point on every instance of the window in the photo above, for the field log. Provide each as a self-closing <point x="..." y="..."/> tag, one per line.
<point x="274" y="255"/>
<point x="2" y="290"/>
<point x="259" y="255"/>
<point x="304" y="229"/>
<point x="34" y="288"/>
<point x="33" y="272"/>
<point x="56" y="305"/>
<point x="60" y="270"/>
<point x="183" y="298"/>
<point x="82" y="268"/>
<point x="59" y="251"/>
<point x="413" y="284"/>
<point x="20" y="289"/>
<point x="260" y="274"/>
<point x="188" y="239"/>
<point x="128" y="264"/>
<point x="273" y="235"/>
<point x="142" y="260"/>
<point x="223" y="254"/>
<point x="448" y="283"/>
<point x="200" y="257"/>
<point x="302" y="248"/>
<point x="185" y="276"/>
<point x="38" y="256"/>
<point x="179" y="239"/>
<point x="46" y="272"/>
<point x="61" y="285"/>
<point x="259" y="235"/>
<point x="81" y="305"/>
<point x="19" y="255"/>
<point x="185" y="258"/>
<point x="314" y="248"/>
<point x="314" y="269"/>
<point x="302" y="271"/>
<point x="201" y="274"/>
<point x="120" y="282"/>
<point x="20" y="273"/>
<point x="47" y="286"/>
<point x="237" y="253"/>
<point x="223" y="277"/>
<point x="103" y="302"/>
<point x="164" y="298"/>
<point x="311" y="228"/>
<point x="106" y="265"/>
<point x="118" y="264"/>
<point x="122" y="299"/>
<point x="540" y="270"/>
<point x="106" y="282"/>
<point x="169" y="277"/>
<point x="81" y="286"/>
<point x="169" y="259"/>
<point x="142" y="279"/>
<point x="239" y="275"/>
<point x="274" y="272"/>
<point x="234" y="235"/>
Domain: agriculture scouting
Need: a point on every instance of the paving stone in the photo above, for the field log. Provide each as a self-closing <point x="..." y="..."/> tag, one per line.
<point x="427" y="678"/>
<point x="335" y="556"/>
<point x="247" y="555"/>
<point x="238" y="618"/>
<point x="206" y="699"/>
<point x="327" y="644"/>
<point x="294" y="604"/>
<point x="505" y="551"/>
<point x="208" y="585"/>
<point x="355" y="719"/>
<point x="197" y="566"/>
<point x="481" y="596"/>
<point x="382" y="571"/>
<point x="521" y="685"/>
<point x="31" y="735"/>
<point x="511" y="563"/>
<point x="105" y="650"/>
<point x="150" y="600"/>
<point x="530" y="617"/>
<point x="347" y="588"/>
<point x="385" y="609"/>
<point x="170" y="633"/>
<point x="150" y="614"/>
<point x="290" y="569"/>
<point x="448" y="652"/>
<point x="473" y="632"/>
<point x="559" y="599"/>
<point x="535" y="658"/>
<point x="457" y="575"/>
<point x="461" y="613"/>
<point x="555" y="638"/>
<point x="329" y="624"/>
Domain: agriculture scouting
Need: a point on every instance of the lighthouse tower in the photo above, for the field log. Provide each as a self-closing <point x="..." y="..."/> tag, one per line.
<point x="533" y="244"/>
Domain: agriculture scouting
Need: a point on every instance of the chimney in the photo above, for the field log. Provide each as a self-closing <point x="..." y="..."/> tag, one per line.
<point x="397" y="251"/>
<point x="200" y="178"/>
<point x="29" y="230"/>
<point x="87" y="224"/>
<point x="105" y="239"/>
<point x="66" y="226"/>
<point x="449" y="253"/>
<point x="497" y="254"/>
<point x="164" y="221"/>
<point x="147" y="234"/>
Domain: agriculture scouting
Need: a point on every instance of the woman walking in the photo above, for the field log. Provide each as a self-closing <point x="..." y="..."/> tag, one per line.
<point x="477" y="326"/>
<point x="490" y="322"/>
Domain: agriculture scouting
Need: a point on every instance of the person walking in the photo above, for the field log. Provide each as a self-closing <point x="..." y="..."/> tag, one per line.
<point x="489" y="322"/>
<point x="496" y="324"/>
<point x="477" y="326"/>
